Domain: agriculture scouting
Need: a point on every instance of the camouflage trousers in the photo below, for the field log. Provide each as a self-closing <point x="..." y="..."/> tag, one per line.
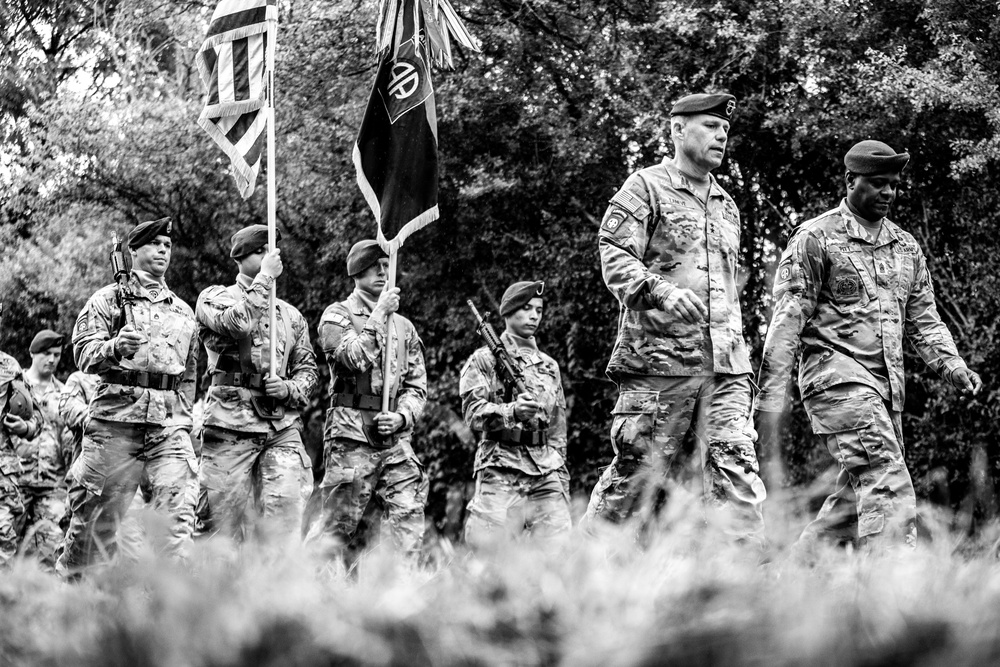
<point x="874" y="494"/>
<point x="11" y="510"/>
<point x="104" y="479"/>
<point x="43" y="523"/>
<point x="361" y="480"/>
<point x="255" y="483"/>
<point x="653" y="420"/>
<point x="510" y="503"/>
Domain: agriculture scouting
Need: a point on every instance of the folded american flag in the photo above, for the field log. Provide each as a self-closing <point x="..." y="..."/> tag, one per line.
<point x="232" y="65"/>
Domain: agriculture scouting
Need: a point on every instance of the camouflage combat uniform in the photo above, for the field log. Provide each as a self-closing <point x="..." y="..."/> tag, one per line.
<point x="74" y="407"/>
<point x="677" y="379"/>
<point x="254" y="469"/>
<point x="44" y="462"/>
<point x="846" y="302"/>
<point x="520" y="467"/>
<point x="139" y="420"/>
<point x="11" y="503"/>
<point x="359" y="469"/>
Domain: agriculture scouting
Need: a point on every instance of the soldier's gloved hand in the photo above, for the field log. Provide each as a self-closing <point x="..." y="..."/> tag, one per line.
<point x="275" y="388"/>
<point x="389" y="422"/>
<point x="388" y="302"/>
<point x="686" y="305"/>
<point x="967" y="380"/>
<point x="271" y="263"/>
<point x="127" y="342"/>
<point x="525" y="407"/>
<point x="15" y="425"/>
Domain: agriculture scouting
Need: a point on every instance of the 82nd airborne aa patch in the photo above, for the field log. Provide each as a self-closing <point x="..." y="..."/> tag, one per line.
<point x="615" y="218"/>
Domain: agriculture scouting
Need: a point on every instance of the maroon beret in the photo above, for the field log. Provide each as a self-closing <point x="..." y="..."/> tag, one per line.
<point x="145" y="232"/>
<point x="519" y="294"/>
<point x="873" y="157"/>
<point x="249" y="239"/>
<point x="717" y="104"/>
<point x="45" y="339"/>
<point x="362" y="255"/>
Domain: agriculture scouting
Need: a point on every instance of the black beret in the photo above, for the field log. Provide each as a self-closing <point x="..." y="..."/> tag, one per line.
<point x="362" y="255"/>
<point x="519" y="294"/>
<point x="249" y="239"/>
<point x="720" y="104"/>
<point x="145" y="232"/>
<point x="45" y="339"/>
<point x="874" y="157"/>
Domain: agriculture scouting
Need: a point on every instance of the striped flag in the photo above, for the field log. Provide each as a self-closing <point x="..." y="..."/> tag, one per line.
<point x="232" y="65"/>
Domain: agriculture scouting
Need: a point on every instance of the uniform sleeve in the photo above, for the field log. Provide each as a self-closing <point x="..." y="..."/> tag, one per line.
<point x="557" y="422"/>
<point x="219" y="311"/>
<point x="924" y="327"/>
<point x="189" y="379"/>
<point x="480" y="407"/>
<point x="412" y="396"/>
<point x="625" y="232"/>
<point x="93" y="340"/>
<point x="797" y="284"/>
<point x="73" y="403"/>
<point x="302" y="371"/>
<point x="343" y="346"/>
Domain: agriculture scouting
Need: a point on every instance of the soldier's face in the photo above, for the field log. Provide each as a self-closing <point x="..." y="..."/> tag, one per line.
<point x="154" y="257"/>
<point x="46" y="361"/>
<point x="250" y="264"/>
<point x="524" y="321"/>
<point x="702" y="139"/>
<point x="872" y="195"/>
<point x="372" y="280"/>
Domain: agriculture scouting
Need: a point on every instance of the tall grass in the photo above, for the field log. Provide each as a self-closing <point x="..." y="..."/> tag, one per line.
<point x="688" y="597"/>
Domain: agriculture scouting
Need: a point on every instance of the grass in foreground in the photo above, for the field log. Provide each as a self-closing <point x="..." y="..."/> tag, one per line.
<point x="687" y="599"/>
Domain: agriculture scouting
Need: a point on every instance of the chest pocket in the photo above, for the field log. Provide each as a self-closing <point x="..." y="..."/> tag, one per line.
<point x="849" y="280"/>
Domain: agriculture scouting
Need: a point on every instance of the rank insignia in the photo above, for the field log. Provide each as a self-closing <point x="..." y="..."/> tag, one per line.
<point x="846" y="286"/>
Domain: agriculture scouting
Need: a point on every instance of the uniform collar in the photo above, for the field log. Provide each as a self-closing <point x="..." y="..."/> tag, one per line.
<point x="360" y="304"/>
<point x="149" y="287"/>
<point x="244" y="281"/>
<point x="681" y="182"/>
<point x="890" y="231"/>
<point x="519" y="344"/>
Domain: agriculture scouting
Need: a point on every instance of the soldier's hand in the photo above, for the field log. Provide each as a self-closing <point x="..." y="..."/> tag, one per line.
<point x="388" y="301"/>
<point x="967" y="381"/>
<point x="389" y="422"/>
<point x="128" y="341"/>
<point x="275" y="388"/>
<point x="686" y="305"/>
<point x="15" y="425"/>
<point x="271" y="263"/>
<point x="525" y="407"/>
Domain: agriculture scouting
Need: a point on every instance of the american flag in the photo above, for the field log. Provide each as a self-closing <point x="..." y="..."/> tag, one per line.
<point x="232" y="65"/>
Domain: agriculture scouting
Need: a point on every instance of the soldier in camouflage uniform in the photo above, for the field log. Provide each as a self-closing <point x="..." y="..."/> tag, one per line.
<point x="368" y="453"/>
<point x="520" y="466"/>
<point x="254" y="468"/>
<point x="849" y="285"/>
<point x="46" y="458"/>
<point x="20" y="417"/>
<point x="670" y="244"/>
<point x="140" y="417"/>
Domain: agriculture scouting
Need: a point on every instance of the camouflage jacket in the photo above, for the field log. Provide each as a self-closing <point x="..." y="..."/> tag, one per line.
<point x="74" y="406"/>
<point x="171" y="349"/>
<point x="846" y="302"/>
<point x="349" y="354"/>
<point x="657" y="236"/>
<point x="10" y="371"/>
<point x="228" y="315"/>
<point x="45" y="458"/>
<point x="484" y="409"/>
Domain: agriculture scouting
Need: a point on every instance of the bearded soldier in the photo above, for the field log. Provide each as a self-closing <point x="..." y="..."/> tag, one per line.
<point x="255" y="469"/>
<point x="140" y="416"/>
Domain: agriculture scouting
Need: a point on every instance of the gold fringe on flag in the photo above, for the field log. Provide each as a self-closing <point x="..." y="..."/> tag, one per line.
<point x="437" y="19"/>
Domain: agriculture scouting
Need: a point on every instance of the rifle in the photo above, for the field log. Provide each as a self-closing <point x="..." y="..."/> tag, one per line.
<point x="510" y="374"/>
<point x="120" y="271"/>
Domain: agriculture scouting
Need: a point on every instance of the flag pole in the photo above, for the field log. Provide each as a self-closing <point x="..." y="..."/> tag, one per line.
<point x="390" y="347"/>
<point x="272" y="234"/>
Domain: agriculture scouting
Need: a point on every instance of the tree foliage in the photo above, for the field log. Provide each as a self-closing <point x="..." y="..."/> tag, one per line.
<point x="536" y="133"/>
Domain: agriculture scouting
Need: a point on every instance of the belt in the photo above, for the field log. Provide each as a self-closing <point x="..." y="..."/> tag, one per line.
<point x="369" y="402"/>
<point x="245" y="380"/>
<point x="516" y="436"/>
<point x="143" y="379"/>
